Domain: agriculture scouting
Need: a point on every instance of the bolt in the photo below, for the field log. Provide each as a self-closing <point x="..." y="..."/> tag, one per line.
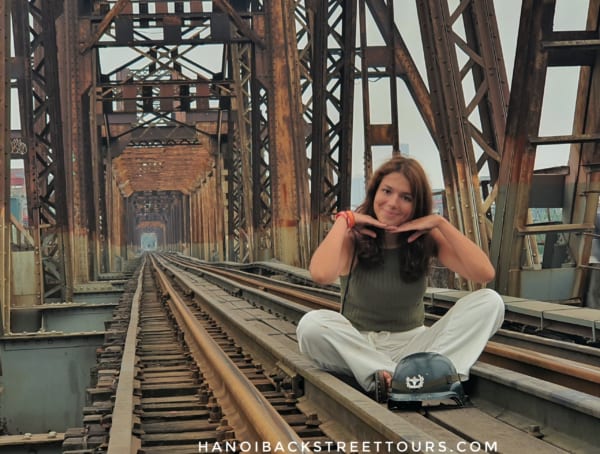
<point x="312" y="420"/>
<point x="223" y="429"/>
<point x="535" y="431"/>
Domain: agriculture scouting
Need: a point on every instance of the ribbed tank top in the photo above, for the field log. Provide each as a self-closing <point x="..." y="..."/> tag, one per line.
<point x="379" y="300"/>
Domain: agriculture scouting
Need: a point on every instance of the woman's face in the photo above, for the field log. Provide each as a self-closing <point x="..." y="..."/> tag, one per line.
<point x="394" y="202"/>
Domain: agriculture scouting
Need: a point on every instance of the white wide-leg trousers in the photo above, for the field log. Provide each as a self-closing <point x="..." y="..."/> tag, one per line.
<point x="330" y="340"/>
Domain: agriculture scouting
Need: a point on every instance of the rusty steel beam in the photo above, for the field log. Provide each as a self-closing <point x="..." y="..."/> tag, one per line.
<point x="196" y="226"/>
<point x="584" y="158"/>
<point x="373" y="58"/>
<point x="262" y="187"/>
<point x="516" y="170"/>
<point x="240" y="241"/>
<point x="514" y="226"/>
<point x="116" y="226"/>
<point x="5" y="224"/>
<point x="39" y="95"/>
<point x="83" y="163"/>
<point x="330" y="57"/>
<point x="104" y="24"/>
<point x="457" y="117"/>
<point x="243" y="27"/>
<point x="286" y="130"/>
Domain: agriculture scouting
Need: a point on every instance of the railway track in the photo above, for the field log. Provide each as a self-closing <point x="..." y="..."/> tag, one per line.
<point x="564" y="363"/>
<point x="189" y="387"/>
<point x="178" y="399"/>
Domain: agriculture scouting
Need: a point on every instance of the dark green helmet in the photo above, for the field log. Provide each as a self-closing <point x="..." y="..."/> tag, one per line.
<point x="425" y="376"/>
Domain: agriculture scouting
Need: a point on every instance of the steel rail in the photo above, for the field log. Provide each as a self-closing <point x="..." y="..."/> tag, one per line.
<point x="259" y="422"/>
<point x="313" y="297"/>
<point x="588" y="376"/>
<point x="317" y="298"/>
<point x="332" y="400"/>
<point x="580" y="376"/>
<point x="121" y="438"/>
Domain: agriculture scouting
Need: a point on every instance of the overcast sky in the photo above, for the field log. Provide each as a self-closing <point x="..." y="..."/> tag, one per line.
<point x="557" y="113"/>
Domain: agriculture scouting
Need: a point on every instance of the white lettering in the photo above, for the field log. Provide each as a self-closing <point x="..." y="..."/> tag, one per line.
<point x="346" y="446"/>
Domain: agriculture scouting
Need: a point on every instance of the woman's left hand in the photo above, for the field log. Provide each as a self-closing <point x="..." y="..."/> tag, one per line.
<point x="454" y="250"/>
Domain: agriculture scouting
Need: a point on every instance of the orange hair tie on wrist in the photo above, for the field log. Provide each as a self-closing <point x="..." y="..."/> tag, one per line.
<point x="350" y="219"/>
<point x="348" y="216"/>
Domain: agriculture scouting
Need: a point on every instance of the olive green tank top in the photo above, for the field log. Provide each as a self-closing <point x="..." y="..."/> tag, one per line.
<point x="379" y="300"/>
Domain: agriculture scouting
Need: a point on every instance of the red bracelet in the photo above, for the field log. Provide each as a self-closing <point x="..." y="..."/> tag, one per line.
<point x="348" y="216"/>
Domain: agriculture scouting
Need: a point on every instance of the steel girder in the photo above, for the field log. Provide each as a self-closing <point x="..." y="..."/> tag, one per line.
<point x="35" y="42"/>
<point x="516" y="233"/>
<point x="5" y="223"/>
<point x="288" y="167"/>
<point x="331" y="35"/>
<point x="288" y="82"/>
<point x="238" y="159"/>
<point x="469" y="126"/>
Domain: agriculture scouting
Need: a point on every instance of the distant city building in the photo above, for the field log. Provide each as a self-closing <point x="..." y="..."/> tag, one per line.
<point x="18" y="196"/>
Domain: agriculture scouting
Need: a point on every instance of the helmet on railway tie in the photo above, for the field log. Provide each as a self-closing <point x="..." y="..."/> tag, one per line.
<point x="425" y="376"/>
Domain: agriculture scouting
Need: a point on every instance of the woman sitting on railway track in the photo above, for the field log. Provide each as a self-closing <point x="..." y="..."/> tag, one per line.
<point x="382" y="254"/>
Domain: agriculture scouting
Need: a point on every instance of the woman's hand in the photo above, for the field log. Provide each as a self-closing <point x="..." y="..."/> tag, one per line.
<point x="420" y="226"/>
<point x="455" y="251"/>
<point x="364" y="221"/>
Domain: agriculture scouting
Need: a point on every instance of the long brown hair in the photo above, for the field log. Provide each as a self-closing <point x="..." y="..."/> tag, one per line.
<point x="415" y="257"/>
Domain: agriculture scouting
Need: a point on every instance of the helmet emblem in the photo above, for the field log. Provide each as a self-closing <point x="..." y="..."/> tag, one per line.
<point x="415" y="382"/>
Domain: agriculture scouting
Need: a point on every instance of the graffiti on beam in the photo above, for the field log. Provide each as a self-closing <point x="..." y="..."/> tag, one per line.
<point x="17" y="146"/>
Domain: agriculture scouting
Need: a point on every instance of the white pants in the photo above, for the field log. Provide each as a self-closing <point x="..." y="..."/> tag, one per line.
<point x="330" y="340"/>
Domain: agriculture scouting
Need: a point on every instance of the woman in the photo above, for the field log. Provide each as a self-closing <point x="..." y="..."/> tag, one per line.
<point x="382" y="252"/>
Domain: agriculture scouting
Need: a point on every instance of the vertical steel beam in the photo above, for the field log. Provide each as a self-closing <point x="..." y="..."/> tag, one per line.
<point x="584" y="160"/>
<point x="262" y="191"/>
<point x="239" y="157"/>
<point x="332" y="52"/>
<point x="288" y="162"/>
<point x="373" y="58"/>
<point x="457" y="132"/>
<point x="196" y="220"/>
<point x="117" y="230"/>
<point x="516" y="170"/>
<point x="82" y="163"/>
<point x="5" y="225"/>
<point x="186" y="221"/>
<point x="404" y="64"/>
<point x="540" y="47"/>
<point x="41" y="122"/>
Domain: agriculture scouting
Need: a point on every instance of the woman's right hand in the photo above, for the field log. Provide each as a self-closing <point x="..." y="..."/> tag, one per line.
<point x="365" y="221"/>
